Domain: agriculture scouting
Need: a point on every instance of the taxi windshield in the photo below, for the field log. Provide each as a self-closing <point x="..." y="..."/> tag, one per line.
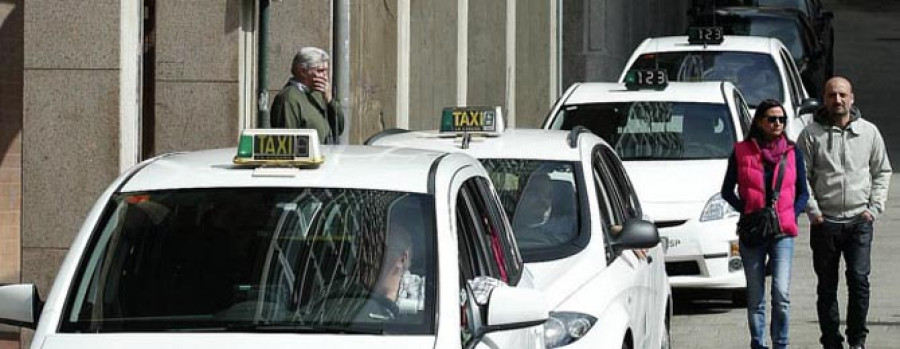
<point x="262" y="259"/>
<point x="656" y="130"/>
<point x="755" y="74"/>
<point x="541" y="202"/>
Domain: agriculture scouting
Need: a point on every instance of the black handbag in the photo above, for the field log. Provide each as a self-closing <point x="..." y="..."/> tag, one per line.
<point x="761" y="226"/>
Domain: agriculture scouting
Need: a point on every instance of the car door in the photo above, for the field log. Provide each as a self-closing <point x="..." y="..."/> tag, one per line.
<point x="618" y="204"/>
<point x="487" y="248"/>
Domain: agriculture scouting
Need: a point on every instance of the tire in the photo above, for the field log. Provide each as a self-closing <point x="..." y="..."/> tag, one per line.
<point x="739" y="298"/>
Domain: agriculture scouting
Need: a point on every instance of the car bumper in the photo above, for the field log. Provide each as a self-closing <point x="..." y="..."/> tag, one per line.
<point x="700" y="255"/>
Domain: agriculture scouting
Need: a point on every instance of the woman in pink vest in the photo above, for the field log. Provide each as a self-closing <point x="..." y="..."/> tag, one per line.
<point x="753" y="168"/>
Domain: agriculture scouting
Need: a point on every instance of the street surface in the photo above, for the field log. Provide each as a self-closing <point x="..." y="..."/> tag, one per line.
<point x="867" y="44"/>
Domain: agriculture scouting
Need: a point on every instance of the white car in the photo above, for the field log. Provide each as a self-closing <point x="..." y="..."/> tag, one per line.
<point x="343" y="247"/>
<point x="760" y="66"/>
<point x="578" y="224"/>
<point x="674" y="142"/>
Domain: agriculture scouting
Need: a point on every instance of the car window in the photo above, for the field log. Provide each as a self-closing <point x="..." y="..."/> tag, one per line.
<point x="609" y="203"/>
<point x="784" y="28"/>
<point x="541" y="199"/>
<point x="268" y="259"/>
<point x="743" y="113"/>
<point x="632" y="206"/>
<point x="482" y="229"/>
<point x="754" y="73"/>
<point x="656" y="130"/>
<point x="794" y="78"/>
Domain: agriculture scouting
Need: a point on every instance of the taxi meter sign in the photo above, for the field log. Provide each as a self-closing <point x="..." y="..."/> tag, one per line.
<point x="647" y="78"/>
<point x="705" y="35"/>
<point x="287" y="147"/>
<point x="471" y="119"/>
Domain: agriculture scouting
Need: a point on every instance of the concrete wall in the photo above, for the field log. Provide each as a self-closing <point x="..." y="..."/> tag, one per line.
<point x="70" y="127"/>
<point x="196" y="74"/>
<point x="11" y="61"/>
<point x="373" y="67"/>
<point x="600" y="35"/>
<point x="432" y="62"/>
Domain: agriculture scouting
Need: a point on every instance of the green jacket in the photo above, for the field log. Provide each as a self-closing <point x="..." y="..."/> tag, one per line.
<point x="293" y="108"/>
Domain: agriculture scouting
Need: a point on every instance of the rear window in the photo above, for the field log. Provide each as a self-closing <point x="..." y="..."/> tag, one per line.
<point x="268" y="260"/>
<point x="656" y="130"/>
<point x="754" y="73"/>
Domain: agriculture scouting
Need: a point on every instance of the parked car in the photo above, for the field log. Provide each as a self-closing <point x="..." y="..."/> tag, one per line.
<point x="821" y="19"/>
<point x="281" y="244"/>
<point x="811" y="54"/>
<point x="760" y="67"/>
<point x="674" y="141"/>
<point x="577" y="221"/>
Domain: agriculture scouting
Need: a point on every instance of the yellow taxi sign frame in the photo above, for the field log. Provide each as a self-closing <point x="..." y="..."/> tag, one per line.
<point x="479" y="120"/>
<point x="279" y="147"/>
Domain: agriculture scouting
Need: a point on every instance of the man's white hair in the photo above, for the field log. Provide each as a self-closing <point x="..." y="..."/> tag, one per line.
<point x="308" y="57"/>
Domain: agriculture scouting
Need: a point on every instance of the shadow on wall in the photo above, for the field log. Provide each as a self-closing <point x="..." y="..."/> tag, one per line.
<point x="11" y="73"/>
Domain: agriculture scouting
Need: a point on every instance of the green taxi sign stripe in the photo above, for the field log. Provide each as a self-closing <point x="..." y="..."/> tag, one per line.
<point x="245" y="146"/>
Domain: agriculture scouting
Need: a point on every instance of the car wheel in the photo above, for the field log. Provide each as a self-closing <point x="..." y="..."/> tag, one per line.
<point x="739" y="298"/>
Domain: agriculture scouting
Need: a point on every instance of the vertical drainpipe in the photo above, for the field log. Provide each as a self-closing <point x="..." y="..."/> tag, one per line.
<point x="262" y="60"/>
<point x="341" y="61"/>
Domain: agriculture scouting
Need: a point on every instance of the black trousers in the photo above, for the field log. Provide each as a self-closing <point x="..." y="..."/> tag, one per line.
<point x="829" y="241"/>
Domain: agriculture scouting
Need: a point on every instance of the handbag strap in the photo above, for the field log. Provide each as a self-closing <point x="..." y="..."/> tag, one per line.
<point x="777" y="190"/>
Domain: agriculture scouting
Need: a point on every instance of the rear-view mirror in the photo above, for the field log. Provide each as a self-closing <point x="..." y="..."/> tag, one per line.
<point x="20" y="305"/>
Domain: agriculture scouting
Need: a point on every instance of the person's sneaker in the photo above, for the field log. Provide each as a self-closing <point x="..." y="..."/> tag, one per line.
<point x="860" y="346"/>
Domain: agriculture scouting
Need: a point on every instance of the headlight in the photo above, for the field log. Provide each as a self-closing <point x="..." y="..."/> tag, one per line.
<point x="717" y="208"/>
<point x="566" y="327"/>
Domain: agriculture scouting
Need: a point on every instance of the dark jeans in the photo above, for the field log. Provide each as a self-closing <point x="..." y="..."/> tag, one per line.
<point x="828" y="241"/>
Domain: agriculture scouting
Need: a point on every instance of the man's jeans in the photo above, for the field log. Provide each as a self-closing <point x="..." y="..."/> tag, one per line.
<point x="781" y="255"/>
<point x="828" y="241"/>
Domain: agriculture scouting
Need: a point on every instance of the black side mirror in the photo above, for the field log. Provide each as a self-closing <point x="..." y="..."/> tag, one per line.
<point x="808" y="106"/>
<point x="636" y="234"/>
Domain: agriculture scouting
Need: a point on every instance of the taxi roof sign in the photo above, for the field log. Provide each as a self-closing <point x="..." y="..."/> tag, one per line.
<point x="637" y="79"/>
<point x="279" y="147"/>
<point x="483" y="120"/>
<point x="705" y="35"/>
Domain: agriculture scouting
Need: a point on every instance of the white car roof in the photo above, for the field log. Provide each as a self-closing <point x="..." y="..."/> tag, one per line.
<point x="729" y="43"/>
<point x="511" y="144"/>
<point x="364" y="167"/>
<point x="604" y="92"/>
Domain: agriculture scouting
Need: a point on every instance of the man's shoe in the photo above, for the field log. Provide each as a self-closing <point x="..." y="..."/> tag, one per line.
<point x="860" y="346"/>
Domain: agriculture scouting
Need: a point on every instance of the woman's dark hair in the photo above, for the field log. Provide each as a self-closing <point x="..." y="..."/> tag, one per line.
<point x="761" y="109"/>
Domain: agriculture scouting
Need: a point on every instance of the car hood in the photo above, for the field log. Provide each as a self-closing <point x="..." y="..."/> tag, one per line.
<point x="232" y="340"/>
<point x="675" y="189"/>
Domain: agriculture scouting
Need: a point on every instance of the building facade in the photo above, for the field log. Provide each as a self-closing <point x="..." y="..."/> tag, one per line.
<point x="88" y="88"/>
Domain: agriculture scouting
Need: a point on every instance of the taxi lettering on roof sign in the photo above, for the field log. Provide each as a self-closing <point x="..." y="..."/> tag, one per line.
<point x="705" y="35"/>
<point x="471" y="119"/>
<point x="285" y="147"/>
<point x="656" y="79"/>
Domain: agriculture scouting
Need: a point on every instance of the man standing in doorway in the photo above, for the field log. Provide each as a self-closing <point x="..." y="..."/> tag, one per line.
<point x="306" y="101"/>
<point x="849" y="174"/>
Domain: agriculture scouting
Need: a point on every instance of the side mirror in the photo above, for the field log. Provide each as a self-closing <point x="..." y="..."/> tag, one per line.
<point x="636" y="234"/>
<point x="20" y="305"/>
<point x="515" y="307"/>
<point x="808" y="106"/>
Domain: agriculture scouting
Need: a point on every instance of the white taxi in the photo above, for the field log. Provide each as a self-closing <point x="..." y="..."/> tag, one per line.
<point x="761" y="67"/>
<point x="290" y="244"/>
<point x="674" y="139"/>
<point x="578" y="224"/>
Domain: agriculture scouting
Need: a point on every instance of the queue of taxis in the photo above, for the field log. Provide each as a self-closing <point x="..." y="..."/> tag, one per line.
<point x="283" y="243"/>
<point x="578" y="223"/>
<point x="761" y="67"/>
<point x="674" y="140"/>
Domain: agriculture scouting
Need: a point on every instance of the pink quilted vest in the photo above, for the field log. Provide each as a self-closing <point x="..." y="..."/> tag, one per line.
<point x="750" y="183"/>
